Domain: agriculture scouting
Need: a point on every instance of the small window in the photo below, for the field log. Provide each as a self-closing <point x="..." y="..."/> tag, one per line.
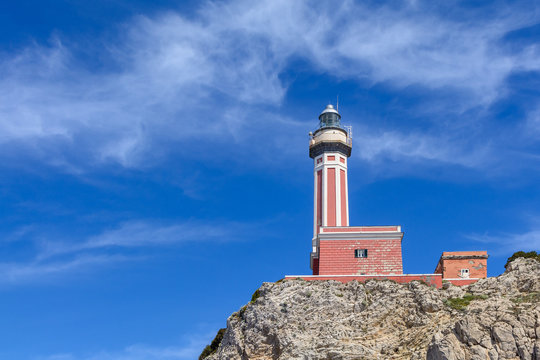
<point x="360" y="253"/>
<point x="465" y="273"/>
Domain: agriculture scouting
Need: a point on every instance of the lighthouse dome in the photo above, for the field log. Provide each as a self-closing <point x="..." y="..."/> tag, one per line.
<point x="329" y="117"/>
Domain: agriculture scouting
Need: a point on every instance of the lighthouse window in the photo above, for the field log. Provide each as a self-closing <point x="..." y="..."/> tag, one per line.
<point x="360" y="253"/>
<point x="465" y="273"/>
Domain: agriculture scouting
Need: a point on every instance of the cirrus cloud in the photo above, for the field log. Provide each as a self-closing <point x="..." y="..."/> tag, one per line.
<point x="167" y="82"/>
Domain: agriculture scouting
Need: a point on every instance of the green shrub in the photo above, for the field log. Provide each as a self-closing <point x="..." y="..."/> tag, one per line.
<point x="463" y="302"/>
<point x="523" y="254"/>
<point x="242" y="311"/>
<point x="255" y="296"/>
<point x="214" y="345"/>
<point x="529" y="298"/>
<point x="206" y="352"/>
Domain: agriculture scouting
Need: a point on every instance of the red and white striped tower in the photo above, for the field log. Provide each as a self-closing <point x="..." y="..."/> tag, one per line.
<point x="329" y="147"/>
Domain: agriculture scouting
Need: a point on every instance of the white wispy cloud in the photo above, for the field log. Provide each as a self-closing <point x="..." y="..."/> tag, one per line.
<point x="143" y="233"/>
<point x="418" y="147"/>
<point x="138" y="352"/>
<point x="54" y="257"/>
<point x="27" y="271"/>
<point x="170" y="82"/>
<point x="189" y="348"/>
<point x="508" y="243"/>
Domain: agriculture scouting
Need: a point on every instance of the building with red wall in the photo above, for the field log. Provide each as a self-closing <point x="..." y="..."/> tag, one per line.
<point x="462" y="267"/>
<point x="344" y="253"/>
<point x="359" y="250"/>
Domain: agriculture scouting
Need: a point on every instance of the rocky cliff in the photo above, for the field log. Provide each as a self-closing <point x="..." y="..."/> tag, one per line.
<point x="495" y="318"/>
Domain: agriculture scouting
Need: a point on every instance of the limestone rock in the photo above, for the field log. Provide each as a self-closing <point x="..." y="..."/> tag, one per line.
<point x="297" y="319"/>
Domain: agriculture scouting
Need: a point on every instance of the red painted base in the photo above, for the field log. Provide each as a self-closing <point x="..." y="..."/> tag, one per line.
<point x="434" y="280"/>
<point x="461" y="282"/>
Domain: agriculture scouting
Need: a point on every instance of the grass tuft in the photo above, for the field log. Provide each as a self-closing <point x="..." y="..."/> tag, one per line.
<point x="529" y="298"/>
<point x="463" y="302"/>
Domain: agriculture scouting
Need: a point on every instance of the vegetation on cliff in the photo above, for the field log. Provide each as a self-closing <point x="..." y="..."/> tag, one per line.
<point x="212" y="348"/>
<point x="522" y="254"/>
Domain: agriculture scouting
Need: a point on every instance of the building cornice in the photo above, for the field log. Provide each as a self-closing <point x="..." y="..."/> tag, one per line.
<point x="329" y="146"/>
<point x="462" y="257"/>
<point x="362" y="236"/>
<point x="361" y="229"/>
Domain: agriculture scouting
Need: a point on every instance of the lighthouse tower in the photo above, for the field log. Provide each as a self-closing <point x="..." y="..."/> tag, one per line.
<point x="329" y="147"/>
<point x="337" y="248"/>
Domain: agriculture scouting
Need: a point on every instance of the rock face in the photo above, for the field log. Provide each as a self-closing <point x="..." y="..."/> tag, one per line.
<point x="495" y="318"/>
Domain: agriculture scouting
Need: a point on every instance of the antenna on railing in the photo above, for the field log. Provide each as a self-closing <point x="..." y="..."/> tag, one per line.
<point x="337" y="103"/>
<point x="349" y="130"/>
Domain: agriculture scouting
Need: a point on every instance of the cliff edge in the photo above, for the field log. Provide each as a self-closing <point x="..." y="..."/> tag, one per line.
<point x="495" y="318"/>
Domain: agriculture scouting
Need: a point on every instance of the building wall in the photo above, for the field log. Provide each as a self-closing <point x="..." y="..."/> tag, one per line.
<point x="451" y="268"/>
<point x="451" y="263"/>
<point x="318" y="209"/>
<point x="330" y="196"/>
<point x="336" y="257"/>
<point x="329" y="135"/>
<point x="315" y="266"/>
<point x="343" y="191"/>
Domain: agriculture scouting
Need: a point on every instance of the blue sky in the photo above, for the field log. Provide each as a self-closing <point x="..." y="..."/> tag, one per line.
<point x="154" y="165"/>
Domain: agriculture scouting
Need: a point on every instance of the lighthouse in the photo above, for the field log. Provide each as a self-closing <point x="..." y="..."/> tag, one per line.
<point x="329" y="147"/>
<point x="344" y="253"/>
<point x="337" y="248"/>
